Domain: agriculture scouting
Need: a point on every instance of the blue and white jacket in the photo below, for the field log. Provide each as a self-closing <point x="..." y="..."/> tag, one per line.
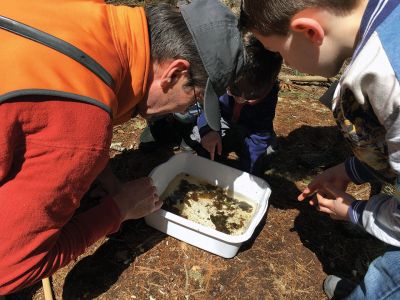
<point x="366" y="105"/>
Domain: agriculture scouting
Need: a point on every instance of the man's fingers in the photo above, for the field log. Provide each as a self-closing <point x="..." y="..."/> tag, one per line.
<point x="157" y="205"/>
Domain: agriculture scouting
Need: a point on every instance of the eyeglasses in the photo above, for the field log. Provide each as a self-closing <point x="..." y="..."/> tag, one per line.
<point x="192" y="112"/>
<point x="196" y="99"/>
<point x="196" y="107"/>
<point x="241" y="100"/>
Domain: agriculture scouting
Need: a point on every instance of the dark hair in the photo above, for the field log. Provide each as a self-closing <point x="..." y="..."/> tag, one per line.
<point x="259" y="72"/>
<point x="273" y="16"/>
<point x="170" y="39"/>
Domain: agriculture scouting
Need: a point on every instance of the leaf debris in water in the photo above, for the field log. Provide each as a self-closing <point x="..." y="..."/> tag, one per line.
<point x="207" y="204"/>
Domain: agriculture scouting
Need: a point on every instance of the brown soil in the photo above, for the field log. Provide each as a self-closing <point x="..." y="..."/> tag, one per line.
<point x="288" y="257"/>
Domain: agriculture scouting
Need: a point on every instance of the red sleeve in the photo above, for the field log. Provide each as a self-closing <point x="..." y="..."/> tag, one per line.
<point x="82" y="231"/>
<point x="91" y="225"/>
<point x="50" y="153"/>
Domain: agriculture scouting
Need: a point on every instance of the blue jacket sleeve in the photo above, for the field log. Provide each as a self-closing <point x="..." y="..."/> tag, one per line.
<point x="202" y="125"/>
<point x="359" y="172"/>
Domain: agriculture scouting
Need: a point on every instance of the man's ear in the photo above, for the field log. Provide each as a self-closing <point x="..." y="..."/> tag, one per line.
<point x="310" y="27"/>
<point x="173" y="71"/>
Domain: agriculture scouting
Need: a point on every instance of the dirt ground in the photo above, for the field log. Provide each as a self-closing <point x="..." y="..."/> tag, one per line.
<point x="291" y="252"/>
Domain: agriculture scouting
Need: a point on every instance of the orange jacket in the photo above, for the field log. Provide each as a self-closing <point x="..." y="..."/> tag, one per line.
<point x="116" y="37"/>
<point x="38" y="232"/>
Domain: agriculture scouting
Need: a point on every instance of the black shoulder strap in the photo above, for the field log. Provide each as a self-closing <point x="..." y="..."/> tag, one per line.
<point x="58" y="45"/>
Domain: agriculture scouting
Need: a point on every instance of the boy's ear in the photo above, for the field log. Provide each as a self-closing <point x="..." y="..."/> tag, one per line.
<point x="310" y="27"/>
<point x="173" y="71"/>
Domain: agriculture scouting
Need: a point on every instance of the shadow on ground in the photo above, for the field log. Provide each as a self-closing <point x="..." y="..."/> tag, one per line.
<point x="26" y="293"/>
<point x="342" y="248"/>
<point x="305" y="152"/>
<point x="96" y="273"/>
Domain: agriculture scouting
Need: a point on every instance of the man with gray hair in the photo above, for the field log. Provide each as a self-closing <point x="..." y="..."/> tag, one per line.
<point x="67" y="77"/>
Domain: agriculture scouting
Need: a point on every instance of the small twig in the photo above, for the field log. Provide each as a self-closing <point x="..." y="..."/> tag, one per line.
<point x="48" y="293"/>
<point x="197" y="292"/>
<point x="187" y="279"/>
<point x="289" y="85"/>
<point x="287" y="78"/>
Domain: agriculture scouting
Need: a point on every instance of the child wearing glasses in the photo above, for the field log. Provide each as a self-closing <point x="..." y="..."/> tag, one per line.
<point x="247" y="111"/>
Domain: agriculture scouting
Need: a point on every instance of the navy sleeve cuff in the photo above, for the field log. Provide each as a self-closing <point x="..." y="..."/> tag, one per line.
<point x="202" y="125"/>
<point x="204" y="130"/>
<point x="358" y="172"/>
<point x="201" y="120"/>
<point x="355" y="211"/>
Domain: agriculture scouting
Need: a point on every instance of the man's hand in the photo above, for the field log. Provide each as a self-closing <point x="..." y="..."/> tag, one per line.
<point x="337" y="207"/>
<point x="211" y="141"/>
<point x="109" y="184"/>
<point x="334" y="178"/>
<point x="137" y="199"/>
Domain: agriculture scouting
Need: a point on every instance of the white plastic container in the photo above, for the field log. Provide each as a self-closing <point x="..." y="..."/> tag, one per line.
<point x="225" y="245"/>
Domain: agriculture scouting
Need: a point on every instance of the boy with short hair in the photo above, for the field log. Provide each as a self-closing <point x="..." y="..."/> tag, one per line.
<point x="317" y="37"/>
<point x="247" y="111"/>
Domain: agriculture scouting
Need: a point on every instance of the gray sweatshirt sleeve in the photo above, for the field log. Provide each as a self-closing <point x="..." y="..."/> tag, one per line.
<point x="371" y="77"/>
<point x="380" y="216"/>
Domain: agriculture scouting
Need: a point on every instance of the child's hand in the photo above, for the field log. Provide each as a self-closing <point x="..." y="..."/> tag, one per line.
<point x="211" y="141"/>
<point x="337" y="206"/>
<point x="334" y="178"/>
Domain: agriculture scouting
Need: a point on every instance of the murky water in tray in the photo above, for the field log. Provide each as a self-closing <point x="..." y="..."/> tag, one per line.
<point x="208" y="205"/>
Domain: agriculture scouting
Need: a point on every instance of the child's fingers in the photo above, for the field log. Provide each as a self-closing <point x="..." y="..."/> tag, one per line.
<point x="316" y="185"/>
<point x="307" y="193"/>
<point x="212" y="151"/>
<point x="322" y="198"/>
<point x="325" y="202"/>
<point x="304" y="194"/>
<point x="341" y="196"/>
<point x="219" y="147"/>
<point x="325" y="210"/>
<point x="335" y="192"/>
